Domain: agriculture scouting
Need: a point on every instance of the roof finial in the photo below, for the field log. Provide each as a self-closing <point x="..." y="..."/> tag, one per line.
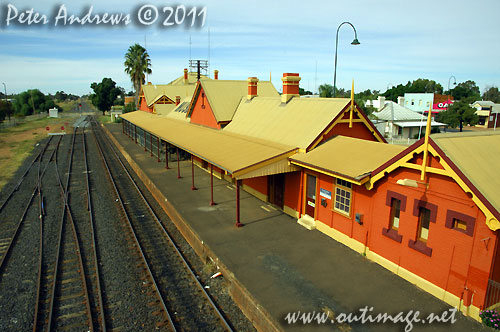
<point x="426" y="143"/>
<point x="352" y="104"/>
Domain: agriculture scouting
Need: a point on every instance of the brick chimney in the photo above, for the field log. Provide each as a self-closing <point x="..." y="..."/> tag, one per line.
<point x="216" y="74"/>
<point x="401" y="101"/>
<point x="177" y="100"/>
<point x="290" y="86"/>
<point x="381" y="102"/>
<point x="252" y="87"/>
<point x="186" y="81"/>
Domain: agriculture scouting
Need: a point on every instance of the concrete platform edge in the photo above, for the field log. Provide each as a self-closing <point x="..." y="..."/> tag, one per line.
<point x="250" y="307"/>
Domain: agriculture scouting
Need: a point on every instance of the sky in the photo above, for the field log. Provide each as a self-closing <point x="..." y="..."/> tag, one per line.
<point x="400" y="42"/>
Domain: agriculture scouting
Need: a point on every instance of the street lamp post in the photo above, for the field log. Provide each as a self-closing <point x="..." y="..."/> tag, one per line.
<point x="5" y="88"/>
<point x="449" y="92"/>
<point x="354" y="42"/>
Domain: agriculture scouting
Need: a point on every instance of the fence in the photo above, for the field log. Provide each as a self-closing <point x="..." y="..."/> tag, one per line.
<point x="493" y="296"/>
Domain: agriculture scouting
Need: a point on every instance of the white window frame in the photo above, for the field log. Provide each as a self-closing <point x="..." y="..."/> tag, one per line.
<point x="343" y="197"/>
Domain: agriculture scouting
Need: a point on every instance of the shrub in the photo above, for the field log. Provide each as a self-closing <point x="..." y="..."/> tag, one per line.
<point x="490" y="318"/>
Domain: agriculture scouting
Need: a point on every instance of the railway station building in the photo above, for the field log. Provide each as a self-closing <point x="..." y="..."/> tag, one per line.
<point x="428" y="212"/>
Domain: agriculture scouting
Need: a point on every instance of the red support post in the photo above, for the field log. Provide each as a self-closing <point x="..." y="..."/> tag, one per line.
<point x="151" y="144"/>
<point x="135" y="134"/>
<point x="192" y="174"/>
<point x="178" y="166"/>
<point x="212" y="203"/>
<point x="166" y="156"/>
<point x="238" y="224"/>
<point x="145" y="141"/>
<point x="158" y="146"/>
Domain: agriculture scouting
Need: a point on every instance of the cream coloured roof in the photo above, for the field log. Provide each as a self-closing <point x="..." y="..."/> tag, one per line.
<point x="234" y="153"/>
<point x="192" y="79"/>
<point x="477" y="155"/>
<point x="164" y="109"/>
<point x="348" y="157"/>
<point x="153" y="92"/>
<point x="296" y="123"/>
<point x="224" y="96"/>
<point x="179" y="112"/>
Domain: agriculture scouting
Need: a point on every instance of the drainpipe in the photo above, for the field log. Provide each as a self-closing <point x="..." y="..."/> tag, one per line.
<point x="238" y="224"/>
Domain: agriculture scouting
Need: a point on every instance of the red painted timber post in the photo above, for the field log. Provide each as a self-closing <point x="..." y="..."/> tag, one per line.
<point x="238" y="224"/>
<point x="158" y="146"/>
<point x="178" y="166"/>
<point x="212" y="203"/>
<point x="192" y="173"/>
<point x="166" y="156"/>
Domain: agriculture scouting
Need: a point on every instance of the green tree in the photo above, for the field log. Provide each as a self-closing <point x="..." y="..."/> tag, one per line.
<point x="105" y="94"/>
<point x="466" y="90"/>
<point x="137" y="64"/>
<point x="459" y="113"/>
<point x="492" y="94"/>
<point x="303" y="92"/>
<point x="6" y="109"/>
<point x="421" y="85"/>
<point x="325" y="90"/>
<point x="32" y="102"/>
<point x="130" y="107"/>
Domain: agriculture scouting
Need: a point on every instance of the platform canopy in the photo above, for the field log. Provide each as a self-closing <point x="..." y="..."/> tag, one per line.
<point x="238" y="155"/>
<point x="348" y="158"/>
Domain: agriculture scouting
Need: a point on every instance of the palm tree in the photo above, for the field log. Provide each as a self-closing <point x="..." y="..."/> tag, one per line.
<point x="137" y="64"/>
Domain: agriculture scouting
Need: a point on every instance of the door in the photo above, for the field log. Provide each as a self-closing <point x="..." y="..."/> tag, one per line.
<point x="310" y="195"/>
<point x="276" y="189"/>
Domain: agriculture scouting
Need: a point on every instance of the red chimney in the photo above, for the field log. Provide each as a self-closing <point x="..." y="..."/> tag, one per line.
<point x="216" y="74"/>
<point x="177" y="100"/>
<point x="252" y="87"/>
<point x="290" y="86"/>
<point x="185" y="76"/>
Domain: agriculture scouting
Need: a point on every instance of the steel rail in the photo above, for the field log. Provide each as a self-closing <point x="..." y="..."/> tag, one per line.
<point x="21" y="221"/>
<point x="138" y="245"/>
<point x="40" y="216"/>
<point x="67" y="211"/>
<point x="91" y="221"/>
<point x="172" y="242"/>
<point x="21" y="179"/>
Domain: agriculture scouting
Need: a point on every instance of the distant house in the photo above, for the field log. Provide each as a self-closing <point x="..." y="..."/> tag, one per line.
<point x="420" y="102"/>
<point x="488" y="113"/>
<point x="397" y="121"/>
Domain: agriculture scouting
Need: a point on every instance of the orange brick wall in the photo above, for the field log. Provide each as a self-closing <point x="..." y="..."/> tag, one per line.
<point x="457" y="259"/>
<point x="144" y="106"/>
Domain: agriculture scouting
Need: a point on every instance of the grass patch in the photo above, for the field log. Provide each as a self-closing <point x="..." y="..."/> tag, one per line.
<point x="104" y="118"/>
<point x="68" y="105"/>
<point x="17" y="143"/>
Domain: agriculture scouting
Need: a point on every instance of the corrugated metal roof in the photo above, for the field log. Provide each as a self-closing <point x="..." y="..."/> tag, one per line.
<point x="349" y="157"/>
<point x="233" y="153"/>
<point x="192" y="79"/>
<point x="153" y="92"/>
<point x="477" y="155"/>
<point x="400" y="112"/>
<point x="225" y="95"/>
<point x="164" y="109"/>
<point x="418" y="124"/>
<point x="296" y="123"/>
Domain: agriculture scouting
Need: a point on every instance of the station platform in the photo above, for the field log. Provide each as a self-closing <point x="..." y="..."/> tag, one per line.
<point x="277" y="266"/>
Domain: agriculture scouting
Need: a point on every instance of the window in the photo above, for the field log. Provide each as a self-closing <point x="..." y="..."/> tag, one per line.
<point x="413" y="101"/>
<point x="343" y="196"/>
<point x="428" y="104"/>
<point x="424" y="219"/>
<point x="420" y="102"/>
<point x="395" y="211"/>
<point x="459" y="224"/>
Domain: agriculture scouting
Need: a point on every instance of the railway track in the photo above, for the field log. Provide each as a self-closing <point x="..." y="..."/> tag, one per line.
<point x="180" y="300"/>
